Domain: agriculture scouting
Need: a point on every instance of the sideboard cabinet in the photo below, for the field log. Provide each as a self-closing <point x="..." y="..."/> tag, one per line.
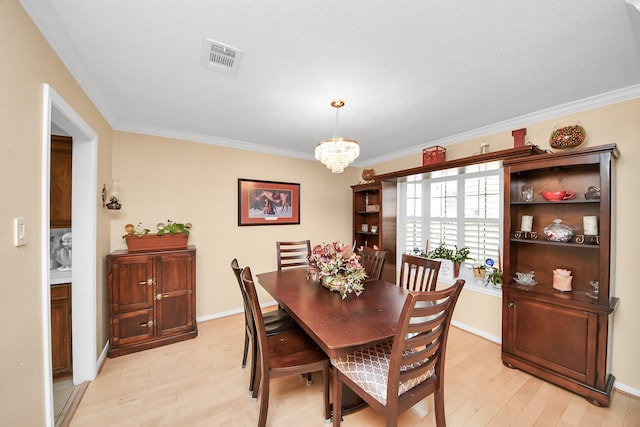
<point x="151" y="299"/>
<point x="375" y="208"/>
<point x="560" y="336"/>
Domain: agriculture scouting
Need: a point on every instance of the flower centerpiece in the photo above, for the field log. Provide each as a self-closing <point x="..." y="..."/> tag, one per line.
<point x="338" y="267"/>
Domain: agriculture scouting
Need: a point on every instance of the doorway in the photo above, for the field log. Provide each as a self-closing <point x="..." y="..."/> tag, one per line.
<point x="60" y="115"/>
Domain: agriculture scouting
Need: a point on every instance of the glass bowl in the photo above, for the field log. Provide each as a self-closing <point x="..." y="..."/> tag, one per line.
<point x="558" y="232"/>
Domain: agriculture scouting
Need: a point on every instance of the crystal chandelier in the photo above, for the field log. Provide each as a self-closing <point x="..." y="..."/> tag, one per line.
<point x="337" y="153"/>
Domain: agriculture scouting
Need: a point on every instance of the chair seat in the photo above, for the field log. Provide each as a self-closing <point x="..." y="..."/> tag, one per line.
<point x="369" y="369"/>
<point x="293" y="345"/>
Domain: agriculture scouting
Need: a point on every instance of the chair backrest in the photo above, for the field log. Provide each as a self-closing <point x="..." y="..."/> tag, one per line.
<point x="237" y="270"/>
<point x="373" y="260"/>
<point x="260" y="336"/>
<point x="293" y="254"/>
<point x="418" y="273"/>
<point x="419" y="345"/>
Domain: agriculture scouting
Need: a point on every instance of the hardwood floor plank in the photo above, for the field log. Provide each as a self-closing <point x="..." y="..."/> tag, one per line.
<point x="200" y="383"/>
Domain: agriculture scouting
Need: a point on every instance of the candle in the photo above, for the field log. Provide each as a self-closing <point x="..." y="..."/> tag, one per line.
<point x="527" y="223"/>
<point x="590" y="224"/>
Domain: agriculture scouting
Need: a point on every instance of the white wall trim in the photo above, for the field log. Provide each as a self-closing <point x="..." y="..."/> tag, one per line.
<point x="84" y="211"/>
<point x="478" y="332"/>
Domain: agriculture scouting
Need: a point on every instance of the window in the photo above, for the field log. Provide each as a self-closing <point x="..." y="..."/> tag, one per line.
<point x="463" y="209"/>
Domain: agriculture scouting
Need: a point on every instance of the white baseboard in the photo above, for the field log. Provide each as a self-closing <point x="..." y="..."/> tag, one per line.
<point x="477" y="332"/>
<point x="626" y="389"/>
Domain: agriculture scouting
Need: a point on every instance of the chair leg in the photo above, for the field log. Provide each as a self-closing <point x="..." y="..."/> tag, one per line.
<point x="337" y="398"/>
<point x="246" y="349"/>
<point x="438" y="403"/>
<point x="256" y="384"/>
<point x="254" y="358"/>
<point x="264" y="404"/>
<point x="325" y="385"/>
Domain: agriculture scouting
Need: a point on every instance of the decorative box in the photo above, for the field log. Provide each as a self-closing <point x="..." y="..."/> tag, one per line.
<point x="433" y="155"/>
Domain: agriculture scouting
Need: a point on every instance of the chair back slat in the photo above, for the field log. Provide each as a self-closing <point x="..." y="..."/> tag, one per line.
<point x="293" y="254"/>
<point x="373" y="261"/>
<point x="418" y="274"/>
<point x="420" y="341"/>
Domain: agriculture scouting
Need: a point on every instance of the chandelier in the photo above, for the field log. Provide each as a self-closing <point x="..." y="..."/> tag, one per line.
<point x="337" y="153"/>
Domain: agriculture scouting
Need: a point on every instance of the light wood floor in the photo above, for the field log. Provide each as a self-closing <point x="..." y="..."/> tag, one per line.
<point x="200" y="383"/>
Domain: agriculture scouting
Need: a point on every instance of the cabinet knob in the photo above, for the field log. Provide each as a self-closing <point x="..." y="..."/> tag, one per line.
<point x="147" y="282"/>
<point x="160" y="296"/>
<point x="149" y="324"/>
<point x="511" y="305"/>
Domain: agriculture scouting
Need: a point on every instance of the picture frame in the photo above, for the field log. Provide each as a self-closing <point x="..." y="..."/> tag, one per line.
<point x="268" y="202"/>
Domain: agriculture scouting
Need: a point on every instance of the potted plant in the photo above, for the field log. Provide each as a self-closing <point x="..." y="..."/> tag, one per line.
<point x="479" y="270"/>
<point x="173" y="235"/>
<point x="457" y="255"/>
<point x="495" y="277"/>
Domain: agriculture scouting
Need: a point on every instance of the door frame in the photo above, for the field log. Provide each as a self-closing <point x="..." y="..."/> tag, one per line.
<point x="84" y="226"/>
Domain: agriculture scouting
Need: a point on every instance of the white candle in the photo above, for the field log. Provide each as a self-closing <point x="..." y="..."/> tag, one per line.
<point x="590" y="224"/>
<point x="527" y="223"/>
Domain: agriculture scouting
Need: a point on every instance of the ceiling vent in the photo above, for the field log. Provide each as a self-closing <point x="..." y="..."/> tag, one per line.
<point x="220" y="57"/>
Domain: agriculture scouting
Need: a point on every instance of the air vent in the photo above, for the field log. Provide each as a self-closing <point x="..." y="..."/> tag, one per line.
<point x="220" y="57"/>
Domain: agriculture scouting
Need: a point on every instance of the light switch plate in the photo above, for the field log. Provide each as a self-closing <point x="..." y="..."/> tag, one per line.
<point x="19" y="232"/>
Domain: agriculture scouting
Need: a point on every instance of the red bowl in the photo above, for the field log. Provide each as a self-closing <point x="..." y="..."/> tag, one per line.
<point x="554" y="196"/>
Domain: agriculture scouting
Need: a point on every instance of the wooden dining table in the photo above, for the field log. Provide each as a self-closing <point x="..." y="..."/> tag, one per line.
<point x="339" y="326"/>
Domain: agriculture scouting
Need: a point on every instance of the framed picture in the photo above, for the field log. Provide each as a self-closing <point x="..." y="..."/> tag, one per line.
<point x="268" y="202"/>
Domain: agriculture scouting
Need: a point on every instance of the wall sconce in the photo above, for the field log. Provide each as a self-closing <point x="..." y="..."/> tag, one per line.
<point x="111" y="197"/>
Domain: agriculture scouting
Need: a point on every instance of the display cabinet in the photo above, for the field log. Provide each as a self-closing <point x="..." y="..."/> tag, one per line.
<point x="558" y="327"/>
<point x="374" y="221"/>
<point x="151" y="299"/>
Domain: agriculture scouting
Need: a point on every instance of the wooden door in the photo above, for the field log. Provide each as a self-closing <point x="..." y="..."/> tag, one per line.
<point x="174" y="295"/>
<point x="558" y="338"/>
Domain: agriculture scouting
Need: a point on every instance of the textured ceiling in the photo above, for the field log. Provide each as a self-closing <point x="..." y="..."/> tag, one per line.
<point x="412" y="73"/>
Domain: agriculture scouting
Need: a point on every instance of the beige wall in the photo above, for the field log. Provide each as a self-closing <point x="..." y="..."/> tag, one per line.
<point x="619" y="124"/>
<point x="27" y="63"/>
<point x="164" y="179"/>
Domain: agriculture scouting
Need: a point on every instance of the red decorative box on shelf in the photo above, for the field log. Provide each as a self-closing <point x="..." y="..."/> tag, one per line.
<point x="433" y="155"/>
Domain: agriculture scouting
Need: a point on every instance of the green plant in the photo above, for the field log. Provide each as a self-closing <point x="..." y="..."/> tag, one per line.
<point x="443" y="252"/>
<point x="173" y="228"/>
<point x="495" y="277"/>
<point x="170" y="228"/>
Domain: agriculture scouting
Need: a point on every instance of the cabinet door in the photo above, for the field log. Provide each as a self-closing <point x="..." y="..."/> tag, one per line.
<point x="174" y="297"/>
<point x="60" y="182"/>
<point x="132" y="284"/>
<point x="132" y="327"/>
<point x="554" y="337"/>
<point x="61" y="361"/>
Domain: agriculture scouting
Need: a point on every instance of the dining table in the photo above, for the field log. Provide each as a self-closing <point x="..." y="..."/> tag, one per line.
<point x="339" y="326"/>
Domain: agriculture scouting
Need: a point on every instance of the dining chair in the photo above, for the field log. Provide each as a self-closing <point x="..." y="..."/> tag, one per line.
<point x="418" y="273"/>
<point x="393" y="375"/>
<point x="288" y="353"/>
<point x="275" y="322"/>
<point x="293" y="254"/>
<point x="373" y="260"/>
